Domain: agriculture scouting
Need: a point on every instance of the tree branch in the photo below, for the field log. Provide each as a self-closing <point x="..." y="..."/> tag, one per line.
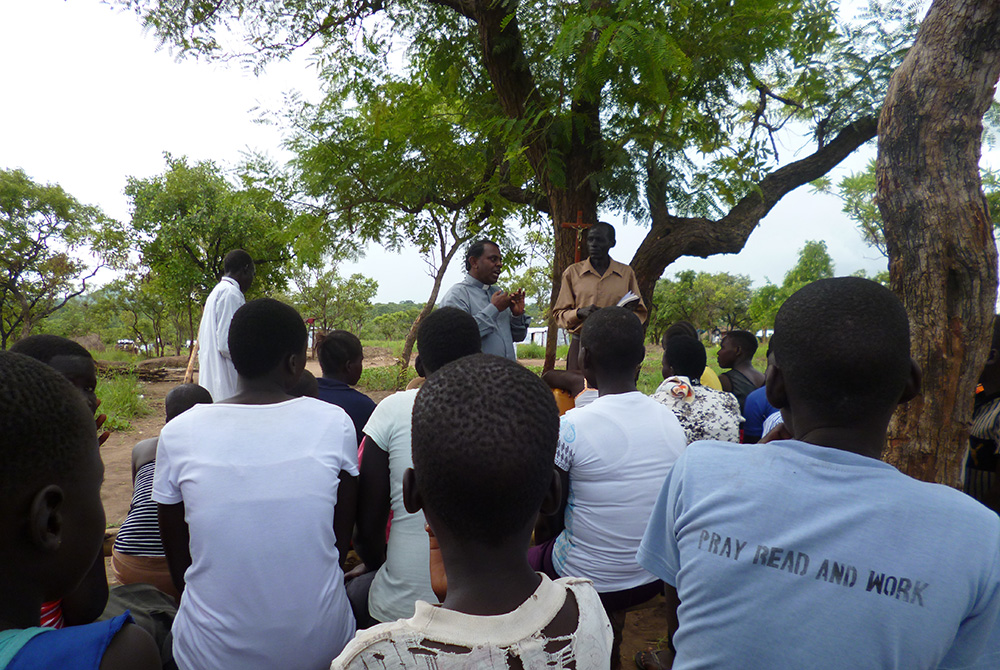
<point x="671" y="237"/>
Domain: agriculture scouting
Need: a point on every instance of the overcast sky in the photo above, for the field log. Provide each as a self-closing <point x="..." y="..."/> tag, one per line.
<point x="88" y="100"/>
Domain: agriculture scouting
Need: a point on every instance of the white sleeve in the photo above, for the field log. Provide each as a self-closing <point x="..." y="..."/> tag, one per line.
<point x="229" y="304"/>
<point x="566" y="448"/>
<point x="166" y="489"/>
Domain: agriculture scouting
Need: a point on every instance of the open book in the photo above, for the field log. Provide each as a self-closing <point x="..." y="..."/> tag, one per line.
<point x="629" y="300"/>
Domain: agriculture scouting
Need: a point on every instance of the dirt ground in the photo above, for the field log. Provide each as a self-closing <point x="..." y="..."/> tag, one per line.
<point x="643" y="628"/>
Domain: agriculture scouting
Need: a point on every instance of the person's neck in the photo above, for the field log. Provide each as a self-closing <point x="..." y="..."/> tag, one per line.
<point x="486" y="580"/>
<point x="265" y="390"/>
<point x="342" y="378"/>
<point x="866" y="437"/>
<point x="600" y="264"/>
<point x="19" y="609"/>
<point x="614" y="384"/>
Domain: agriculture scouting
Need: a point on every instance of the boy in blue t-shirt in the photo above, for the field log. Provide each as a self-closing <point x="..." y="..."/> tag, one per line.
<point x="812" y="552"/>
<point x="341" y="359"/>
<point x="52" y="525"/>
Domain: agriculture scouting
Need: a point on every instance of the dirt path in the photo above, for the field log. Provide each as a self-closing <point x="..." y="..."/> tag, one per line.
<point x="643" y="628"/>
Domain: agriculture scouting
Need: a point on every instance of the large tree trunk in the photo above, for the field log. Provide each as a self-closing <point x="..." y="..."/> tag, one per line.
<point x="942" y="255"/>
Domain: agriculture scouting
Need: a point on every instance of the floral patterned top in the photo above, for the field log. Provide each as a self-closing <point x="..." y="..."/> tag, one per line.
<point x="704" y="413"/>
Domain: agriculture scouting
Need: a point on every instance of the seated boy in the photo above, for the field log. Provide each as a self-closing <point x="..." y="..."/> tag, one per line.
<point x="613" y="456"/>
<point x="756" y="410"/>
<point x="137" y="556"/>
<point x="736" y="352"/>
<point x="256" y="503"/>
<point x="480" y="489"/>
<point x="341" y="359"/>
<point x="704" y="413"/>
<point x="52" y="525"/>
<point x="75" y="363"/>
<point x="811" y="552"/>
<point x="394" y="574"/>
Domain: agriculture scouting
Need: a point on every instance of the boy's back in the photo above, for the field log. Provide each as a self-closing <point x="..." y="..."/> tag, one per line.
<point x="813" y="552"/>
<point x="805" y="556"/>
<point x="449" y="640"/>
<point x="259" y="484"/>
<point x="617" y="450"/>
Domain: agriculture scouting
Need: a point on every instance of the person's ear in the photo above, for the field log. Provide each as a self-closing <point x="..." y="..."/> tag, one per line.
<point x="354" y="370"/>
<point x="412" y="500"/>
<point x="774" y="381"/>
<point x="45" y="520"/>
<point x="418" y="365"/>
<point x="914" y="382"/>
<point x="553" y="497"/>
<point x="585" y="359"/>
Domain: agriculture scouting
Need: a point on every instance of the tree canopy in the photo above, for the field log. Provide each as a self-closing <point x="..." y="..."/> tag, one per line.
<point x="670" y="113"/>
<point x="40" y="225"/>
<point x="187" y="219"/>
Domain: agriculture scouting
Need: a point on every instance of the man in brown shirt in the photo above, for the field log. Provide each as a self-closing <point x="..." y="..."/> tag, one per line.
<point x="591" y="284"/>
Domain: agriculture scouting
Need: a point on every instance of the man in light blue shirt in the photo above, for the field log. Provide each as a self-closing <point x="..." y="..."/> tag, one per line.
<point x="499" y="315"/>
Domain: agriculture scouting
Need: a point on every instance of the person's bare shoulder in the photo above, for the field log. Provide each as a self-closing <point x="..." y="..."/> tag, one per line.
<point x="132" y="648"/>
<point x="144" y="452"/>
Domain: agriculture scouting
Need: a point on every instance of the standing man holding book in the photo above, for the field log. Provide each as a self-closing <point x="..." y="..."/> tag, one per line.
<point x="598" y="281"/>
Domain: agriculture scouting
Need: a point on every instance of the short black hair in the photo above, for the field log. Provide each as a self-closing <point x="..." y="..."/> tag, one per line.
<point x="843" y="348"/>
<point x="45" y="424"/>
<point x="183" y="397"/>
<point x="679" y="328"/>
<point x="607" y="226"/>
<point x="484" y="484"/>
<point x="236" y="260"/>
<point x="686" y="356"/>
<point x="337" y="349"/>
<point x="447" y="334"/>
<point x="476" y="250"/>
<point x="746" y="340"/>
<point x="262" y="333"/>
<point x="614" y="337"/>
<point x="46" y="347"/>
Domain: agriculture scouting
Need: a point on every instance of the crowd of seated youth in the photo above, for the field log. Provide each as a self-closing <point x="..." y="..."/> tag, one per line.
<point x="491" y="532"/>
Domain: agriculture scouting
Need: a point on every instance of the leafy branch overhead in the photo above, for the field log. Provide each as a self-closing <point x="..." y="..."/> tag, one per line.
<point x="673" y="113"/>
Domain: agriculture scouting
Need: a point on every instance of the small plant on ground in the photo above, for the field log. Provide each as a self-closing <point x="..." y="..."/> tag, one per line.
<point x="122" y="400"/>
<point x="383" y="378"/>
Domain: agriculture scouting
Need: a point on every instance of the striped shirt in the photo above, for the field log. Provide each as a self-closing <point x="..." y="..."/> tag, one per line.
<point x="981" y="464"/>
<point x="140" y="534"/>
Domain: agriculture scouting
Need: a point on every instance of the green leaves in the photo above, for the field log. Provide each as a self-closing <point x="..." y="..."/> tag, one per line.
<point x="186" y="220"/>
<point x="43" y="230"/>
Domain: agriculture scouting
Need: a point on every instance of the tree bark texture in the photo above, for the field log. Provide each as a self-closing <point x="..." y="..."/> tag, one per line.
<point x="514" y="84"/>
<point x="942" y="255"/>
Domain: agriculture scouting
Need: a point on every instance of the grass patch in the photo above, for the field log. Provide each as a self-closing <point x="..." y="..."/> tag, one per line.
<point x="384" y="378"/>
<point x="395" y="346"/>
<point x="532" y="350"/>
<point x="122" y="400"/>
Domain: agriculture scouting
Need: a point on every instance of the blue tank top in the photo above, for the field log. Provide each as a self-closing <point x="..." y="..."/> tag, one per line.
<point x="70" y="648"/>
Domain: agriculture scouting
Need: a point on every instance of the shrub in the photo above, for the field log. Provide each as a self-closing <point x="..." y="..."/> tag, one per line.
<point x="122" y="400"/>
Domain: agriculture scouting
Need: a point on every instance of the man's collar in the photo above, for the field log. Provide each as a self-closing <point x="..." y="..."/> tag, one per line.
<point x="230" y="280"/>
<point x="613" y="266"/>
<point x="472" y="281"/>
